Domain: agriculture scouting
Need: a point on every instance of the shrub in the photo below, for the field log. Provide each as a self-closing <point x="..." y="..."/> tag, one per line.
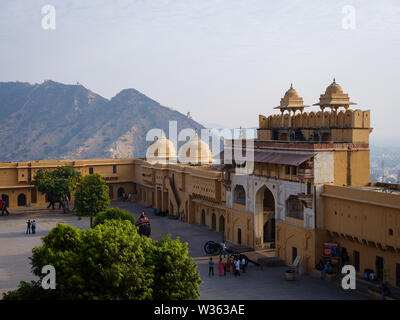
<point x="113" y="214"/>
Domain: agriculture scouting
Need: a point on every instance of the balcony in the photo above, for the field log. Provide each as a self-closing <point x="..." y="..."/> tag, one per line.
<point x="305" y="173"/>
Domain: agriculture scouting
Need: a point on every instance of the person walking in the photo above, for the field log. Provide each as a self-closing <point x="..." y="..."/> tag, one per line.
<point x="237" y="265"/>
<point x="28" y="227"/>
<point x="220" y="267"/>
<point x="51" y="201"/>
<point x="243" y="265"/>
<point x="211" y="267"/>
<point x="3" y="207"/>
<point x="33" y="226"/>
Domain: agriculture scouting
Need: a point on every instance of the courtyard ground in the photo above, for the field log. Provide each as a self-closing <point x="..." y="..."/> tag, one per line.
<point x="268" y="283"/>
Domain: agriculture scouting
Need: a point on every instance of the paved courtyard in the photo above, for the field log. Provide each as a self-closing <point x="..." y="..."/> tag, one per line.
<point x="269" y="283"/>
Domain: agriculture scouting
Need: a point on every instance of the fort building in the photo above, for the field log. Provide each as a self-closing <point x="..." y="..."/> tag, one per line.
<point x="306" y="183"/>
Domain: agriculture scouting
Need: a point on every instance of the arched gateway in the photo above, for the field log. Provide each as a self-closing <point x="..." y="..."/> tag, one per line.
<point x="264" y="218"/>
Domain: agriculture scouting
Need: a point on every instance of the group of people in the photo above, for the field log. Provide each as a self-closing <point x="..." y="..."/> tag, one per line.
<point x="126" y="197"/>
<point x="30" y="226"/>
<point x="230" y="264"/>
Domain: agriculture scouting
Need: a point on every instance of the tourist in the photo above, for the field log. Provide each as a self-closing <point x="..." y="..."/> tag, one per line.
<point x="28" y="227"/>
<point x="223" y="249"/>
<point x="243" y="265"/>
<point x="233" y="267"/>
<point x="324" y="270"/>
<point x="237" y="265"/>
<point x="210" y="267"/>
<point x="3" y="207"/>
<point x="220" y="267"/>
<point x="228" y="264"/>
<point x="384" y="290"/>
<point x="51" y="199"/>
<point x="33" y="226"/>
<point x="144" y="225"/>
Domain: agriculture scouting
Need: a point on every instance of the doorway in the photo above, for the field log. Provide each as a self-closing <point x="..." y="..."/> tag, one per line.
<point x="379" y="268"/>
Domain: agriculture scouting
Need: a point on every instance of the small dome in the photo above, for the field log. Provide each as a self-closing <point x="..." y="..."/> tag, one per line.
<point x="291" y="100"/>
<point x="334" y="97"/>
<point x="161" y="150"/>
<point x="334" y="88"/>
<point x="291" y="93"/>
<point x="195" y="151"/>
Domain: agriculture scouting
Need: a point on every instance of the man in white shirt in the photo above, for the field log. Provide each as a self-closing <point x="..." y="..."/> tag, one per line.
<point x="243" y="264"/>
<point x="237" y="266"/>
<point x="223" y="249"/>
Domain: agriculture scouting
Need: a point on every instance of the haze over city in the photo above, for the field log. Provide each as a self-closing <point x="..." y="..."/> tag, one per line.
<point x="222" y="61"/>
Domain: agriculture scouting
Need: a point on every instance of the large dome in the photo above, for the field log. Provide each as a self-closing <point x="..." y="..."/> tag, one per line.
<point x="195" y="151"/>
<point x="161" y="150"/>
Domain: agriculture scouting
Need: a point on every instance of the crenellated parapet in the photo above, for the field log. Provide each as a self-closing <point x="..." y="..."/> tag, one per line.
<point x="328" y="119"/>
<point x="334" y="122"/>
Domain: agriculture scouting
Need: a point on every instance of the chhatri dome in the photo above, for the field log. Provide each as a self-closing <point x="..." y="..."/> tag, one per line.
<point x="161" y="150"/>
<point x="291" y="101"/>
<point x="195" y="151"/>
<point x="334" y="97"/>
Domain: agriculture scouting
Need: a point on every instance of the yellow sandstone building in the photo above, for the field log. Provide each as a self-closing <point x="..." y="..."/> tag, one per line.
<point x="306" y="183"/>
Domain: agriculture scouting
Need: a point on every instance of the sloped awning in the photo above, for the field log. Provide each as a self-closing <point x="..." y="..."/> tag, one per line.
<point x="290" y="159"/>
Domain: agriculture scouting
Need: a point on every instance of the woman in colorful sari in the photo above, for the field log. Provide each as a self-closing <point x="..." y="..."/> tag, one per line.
<point x="220" y="267"/>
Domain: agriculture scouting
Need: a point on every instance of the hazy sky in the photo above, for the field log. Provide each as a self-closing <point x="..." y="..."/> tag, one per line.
<point x="224" y="61"/>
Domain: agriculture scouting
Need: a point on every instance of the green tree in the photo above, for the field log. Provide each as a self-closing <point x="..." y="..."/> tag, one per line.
<point x="60" y="182"/>
<point x="175" y="273"/>
<point x="30" y="291"/>
<point x="113" y="213"/>
<point x="91" y="196"/>
<point x="105" y="262"/>
<point x="111" y="262"/>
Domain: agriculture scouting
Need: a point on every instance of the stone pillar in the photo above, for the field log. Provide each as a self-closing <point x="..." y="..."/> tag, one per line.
<point x="322" y="116"/>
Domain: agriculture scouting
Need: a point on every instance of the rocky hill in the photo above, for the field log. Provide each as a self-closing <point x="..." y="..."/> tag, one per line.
<point x="57" y="121"/>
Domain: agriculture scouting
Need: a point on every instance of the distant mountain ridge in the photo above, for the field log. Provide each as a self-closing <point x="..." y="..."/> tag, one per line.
<point x="52" y="120"/>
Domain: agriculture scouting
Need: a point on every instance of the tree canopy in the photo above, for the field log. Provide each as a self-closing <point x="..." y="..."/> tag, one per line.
<point x="111" y="261"/>
<point x="113" y="213"/>
<point x="60" y="182"/>
<point x="91" y="196"/>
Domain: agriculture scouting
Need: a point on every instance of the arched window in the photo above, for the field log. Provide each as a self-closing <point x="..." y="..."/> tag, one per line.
<point x="22" y="200"/>
<point x="239" y="195"/>
<point x="214" y="222"/>
<point x="294" y="208"/>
